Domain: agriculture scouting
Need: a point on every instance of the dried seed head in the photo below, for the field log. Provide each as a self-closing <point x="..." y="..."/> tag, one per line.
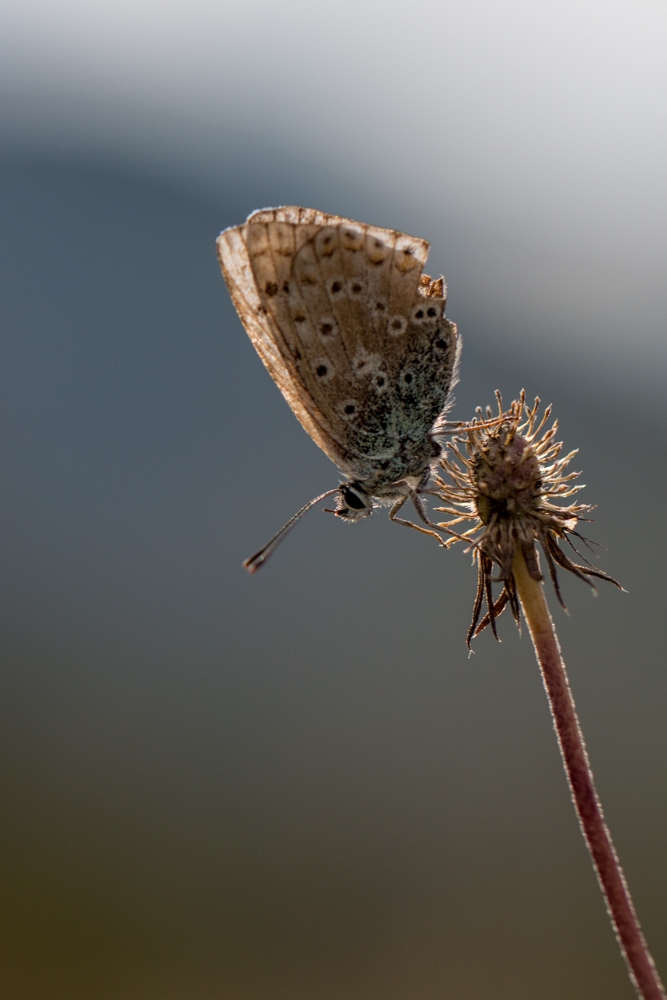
<point x="506" y="474"/>
<point x="505" y="483"/>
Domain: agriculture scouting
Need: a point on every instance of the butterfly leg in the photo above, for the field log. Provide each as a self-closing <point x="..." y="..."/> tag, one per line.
<point x="409" y="524"/>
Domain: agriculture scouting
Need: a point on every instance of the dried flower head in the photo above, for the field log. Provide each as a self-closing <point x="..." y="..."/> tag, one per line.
<point x="506" y="482"/>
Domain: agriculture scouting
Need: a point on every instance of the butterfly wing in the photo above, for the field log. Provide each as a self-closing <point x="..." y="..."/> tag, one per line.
<point x="268" y="339"/>
<point x="351" y="331"/>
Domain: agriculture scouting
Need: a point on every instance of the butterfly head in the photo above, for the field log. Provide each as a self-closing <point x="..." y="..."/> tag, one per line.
<point x="353" y="502"/>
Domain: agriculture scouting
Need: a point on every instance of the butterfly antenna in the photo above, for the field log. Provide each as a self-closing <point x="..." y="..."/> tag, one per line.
<point x="254" y="562"/>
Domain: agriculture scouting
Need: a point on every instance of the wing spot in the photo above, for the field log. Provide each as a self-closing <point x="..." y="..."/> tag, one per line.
<point x="325" y="243"/>
<point x="336" y="286"/>
<point x="397" y="325"/>
<point x="271" y="288"/>
<point x="377" y="251"/>
<point x="353" y="239"/>
<point x="349" y="409"/>
<point x="286" y="287"/>
<point x="442" y="344"/>
<point x="365" y="363"/>
<point x="323" y="369"/>
<point x="431" y="312"/>
<point x="299" y="318"/>
<point x="380" y="307"/>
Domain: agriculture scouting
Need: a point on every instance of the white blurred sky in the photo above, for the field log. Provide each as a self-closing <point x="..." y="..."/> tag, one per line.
<point x="536" y="127"/>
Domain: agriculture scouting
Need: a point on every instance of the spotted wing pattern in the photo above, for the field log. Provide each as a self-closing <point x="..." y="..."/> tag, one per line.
<point x="350" y="329"/>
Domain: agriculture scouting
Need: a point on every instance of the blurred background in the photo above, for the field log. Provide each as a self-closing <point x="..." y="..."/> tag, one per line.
<point x="298" y="785"/>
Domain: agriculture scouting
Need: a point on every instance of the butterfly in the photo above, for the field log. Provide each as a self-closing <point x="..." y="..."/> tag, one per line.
<point x="355" y="337"/>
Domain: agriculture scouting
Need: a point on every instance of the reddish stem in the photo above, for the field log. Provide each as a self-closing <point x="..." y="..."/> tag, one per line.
<point x="642" y="969"/>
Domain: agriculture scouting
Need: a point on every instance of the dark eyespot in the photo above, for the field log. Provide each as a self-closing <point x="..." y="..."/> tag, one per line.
<point x="356" y="288"/>
<point x="350" y="408"/>
<point x="286" y="286"/>
<point x="336" y="287"/>
<point x="299" y="318"/>
<point x="419" y="314"/>
<point x="407" y="378"/>
<point x="441" y="343"/>
<point x="431" y="312"/>
<point x="352" y="500"/>
<point x="380" y="382"/>
<point x="326" y="328"/>
<point x="321" y="370"/>
<point x="380" y="306"/>
<point x="271" y="288"/>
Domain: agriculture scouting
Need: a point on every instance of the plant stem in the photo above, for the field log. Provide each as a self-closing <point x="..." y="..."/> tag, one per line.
<point x="643" y="972"/>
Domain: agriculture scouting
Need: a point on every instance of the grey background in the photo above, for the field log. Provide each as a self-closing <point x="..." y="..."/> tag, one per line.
<point x="298" y="784"/>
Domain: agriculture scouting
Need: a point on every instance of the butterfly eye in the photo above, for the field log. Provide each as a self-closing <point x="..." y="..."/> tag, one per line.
<point x="352" y="499"/>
